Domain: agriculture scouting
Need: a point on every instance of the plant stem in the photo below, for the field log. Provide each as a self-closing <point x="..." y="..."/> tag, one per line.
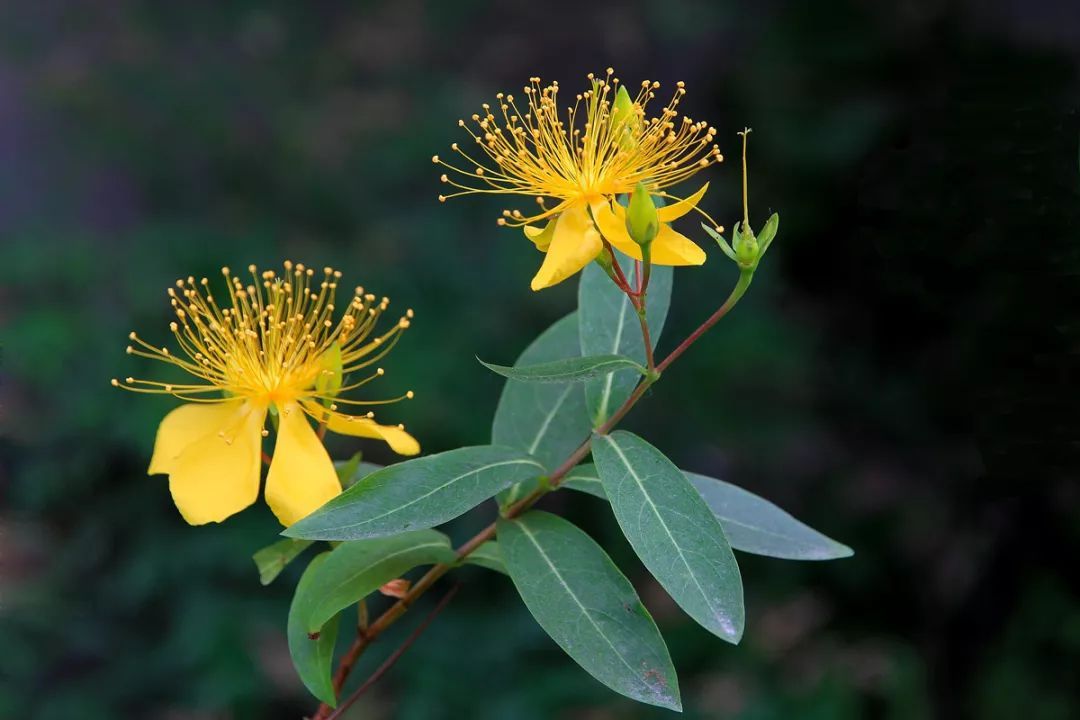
<point x="554" y="480"/>
<point x="394" y="656"/>
<point x="745" y="277"/>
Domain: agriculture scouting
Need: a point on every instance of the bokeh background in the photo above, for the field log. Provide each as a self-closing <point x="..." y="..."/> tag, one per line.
<point x="903" y="375"/>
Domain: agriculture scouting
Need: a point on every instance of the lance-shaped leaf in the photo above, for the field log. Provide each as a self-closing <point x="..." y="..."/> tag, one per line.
<point x="312" y="656"/>
<point x="546" y="420"/>
<point x="353" y="570"/>
<point x="417" y="494"/>
<point x="751" y="523"/>
<point x="754" y="525"/>
<point x="588" y="607"/>
<point x="608" y="324"/>
<point x="568" y="370"/>
<point x="272" y="559"/>
<point x="487" y="556"/>
<point x="673" y="531"/>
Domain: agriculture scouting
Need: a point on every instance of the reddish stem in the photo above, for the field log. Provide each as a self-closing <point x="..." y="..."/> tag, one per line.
<point x="394" y="656"/>
<point x="740" y="288"/>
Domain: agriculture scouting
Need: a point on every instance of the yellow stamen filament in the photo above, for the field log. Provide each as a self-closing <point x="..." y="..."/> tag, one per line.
<point x="268" y="341"/>
<point x="582" y="158"/>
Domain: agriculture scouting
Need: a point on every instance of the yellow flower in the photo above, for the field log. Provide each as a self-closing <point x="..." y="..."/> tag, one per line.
<point x="265" y="350"/>
<point x="603" y="148"/>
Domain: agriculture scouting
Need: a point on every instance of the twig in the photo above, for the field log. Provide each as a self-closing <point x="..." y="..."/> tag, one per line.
<point x="396" y="655"/>
<point x="740" y="287"/>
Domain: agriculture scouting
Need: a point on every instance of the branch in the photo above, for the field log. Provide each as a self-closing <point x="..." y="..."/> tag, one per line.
<point x="394" y="656"/>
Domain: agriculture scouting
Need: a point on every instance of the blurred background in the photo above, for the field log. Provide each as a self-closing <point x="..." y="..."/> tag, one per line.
<point x="903" y="375"/>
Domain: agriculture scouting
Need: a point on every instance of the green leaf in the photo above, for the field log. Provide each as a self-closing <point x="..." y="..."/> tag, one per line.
<point x="584" y="478"/>
<point x="751" y="523"/>
<point x="272" y="559"/>
<point x="548" y="421"/>
<point x="312" y="657"/>
<point x="673" y="531"/>
<point x="570" y="369"/>
<point x="588" y="607"/>
<point x="754" y="525"/>
<point x="608" y="325"/>
<point x="488" y="556"/>
<point x="417" y="494"/>
<point x="354" y="570"/>
<point x="352" y="470"/>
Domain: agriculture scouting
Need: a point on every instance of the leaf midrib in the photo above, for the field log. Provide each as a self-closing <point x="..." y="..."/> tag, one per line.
<point x="656" y="511"/>
<point x="550" y="416"/>
<point x="431" y="492"/>
<point x="605" y="396"/>
<point x="570" y="592"/>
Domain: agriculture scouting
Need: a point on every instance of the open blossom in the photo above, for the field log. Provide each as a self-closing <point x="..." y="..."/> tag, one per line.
<point x="271" y="348"/>
<point x="577" y="167"/>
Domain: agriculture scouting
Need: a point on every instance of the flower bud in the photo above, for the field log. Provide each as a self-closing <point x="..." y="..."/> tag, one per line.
<point x="746" y="249"/>
<point x="328" y="381"/>
<point x="746" y="246"/>
<point x="625" y="120"/>
<point x="397" y="588"/>
<point x="641" y="220"/>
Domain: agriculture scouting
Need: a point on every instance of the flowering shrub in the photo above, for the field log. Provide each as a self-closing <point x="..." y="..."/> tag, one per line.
<point x="274" y="350"/>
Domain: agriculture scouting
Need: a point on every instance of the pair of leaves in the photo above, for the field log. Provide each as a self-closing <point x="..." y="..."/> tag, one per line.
<point x="340" y="578"/>
<point x="751" y="523"/>
<point x="676" y="524"/>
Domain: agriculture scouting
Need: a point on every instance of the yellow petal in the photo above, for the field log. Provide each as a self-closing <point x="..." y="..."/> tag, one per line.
<point x="677" y="209"/>
<point x="672" y="248"/>
<point x="574" y="244"/>
<point x="218" y="474"/>
<point x="541" y="237"/>
<point x="301" y="477"/>
<point x="185" y="425"/>
<point x="399" y="441"/>
<point x="612" y="223"/>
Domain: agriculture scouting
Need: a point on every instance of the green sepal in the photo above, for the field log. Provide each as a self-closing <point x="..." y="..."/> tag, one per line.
<point x="328" y="381"/>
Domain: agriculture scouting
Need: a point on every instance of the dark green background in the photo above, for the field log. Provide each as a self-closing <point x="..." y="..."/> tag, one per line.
<point x="903" y="375"/>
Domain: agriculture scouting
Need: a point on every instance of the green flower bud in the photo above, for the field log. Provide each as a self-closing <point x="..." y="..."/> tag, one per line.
<point x="746" y="249"/>
<point x="625" y="119"/>
<point x="328" y="382"/>
<point x="603" y="259"/>
<point x="641" y="220"/>
<point x="746" y="246"/>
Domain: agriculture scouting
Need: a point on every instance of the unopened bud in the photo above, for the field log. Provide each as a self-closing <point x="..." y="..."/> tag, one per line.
<point x="396" y="588"/>
<point x="641" y="220"/>
<point x="625" y="120"/>
<point x="746" y="246"/>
